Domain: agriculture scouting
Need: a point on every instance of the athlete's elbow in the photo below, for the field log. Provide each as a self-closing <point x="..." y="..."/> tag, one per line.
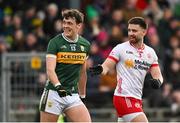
<point x="105" y="70"/>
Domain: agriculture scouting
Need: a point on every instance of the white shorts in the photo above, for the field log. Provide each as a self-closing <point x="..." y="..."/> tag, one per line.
<point x="51" y="102"/>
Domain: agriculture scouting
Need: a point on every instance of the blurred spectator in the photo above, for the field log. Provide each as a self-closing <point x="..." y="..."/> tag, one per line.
<point x="51" y="17"/>
<point x="118" y="4"/>
<point x="103" y="43"/>
<point x="3" y="45"/>
<point x="93" y="20"/>
<point x="176" y="54"/>
<point x="130" y="10"/>
<point x="177" y="33"/>
<point x="154" y="42"/>
<point x="7" y="25"/>
<point x="95" y="55"/>
<point x="164" y="29"/>
<point x="40" y="35"/>
<point x="18" y="41"/>
<point x="166" y="100"/>
<point x="58" y="26"/>
<point x="103" y="8"/>
<point x="173" y="76"/>
<point x="154" y="10"/>
<point x="173" y="44"/>
<point x="142" y="4"/>
<point x="163" y="4"/>
<point x="116" y="36"/>
<point x="117" y="26"/>
<point x="30" y="14"/>
<point x="31" y="42"/>
<point x="17" y="22"/>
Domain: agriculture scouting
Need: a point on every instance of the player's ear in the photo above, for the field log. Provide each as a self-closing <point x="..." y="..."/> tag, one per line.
<point x="144" y="31"/>
<point x="79" y="25"/>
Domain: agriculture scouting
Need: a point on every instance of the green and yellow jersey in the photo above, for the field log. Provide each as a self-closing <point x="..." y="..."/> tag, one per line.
<point x="70" y="57"/>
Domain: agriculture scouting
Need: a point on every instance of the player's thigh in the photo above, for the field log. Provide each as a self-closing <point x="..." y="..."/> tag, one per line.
<point x="48" y="117"/>
<point x="78" y="113"/>
<point x="140" y="118"/>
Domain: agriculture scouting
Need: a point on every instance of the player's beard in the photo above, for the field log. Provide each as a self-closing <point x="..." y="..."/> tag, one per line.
<point x="134" y="39"/>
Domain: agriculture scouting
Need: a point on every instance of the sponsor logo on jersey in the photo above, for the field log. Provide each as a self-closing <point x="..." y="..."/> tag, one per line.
<point x="129" y="52"/>
<point x="71" y="57"/>
<point x="142" y="65"/>
<point x="129" y="63"/>
<point x="137" y="64"/>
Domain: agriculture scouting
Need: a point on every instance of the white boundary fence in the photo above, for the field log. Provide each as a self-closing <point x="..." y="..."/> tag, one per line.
<point x="22" y="74"/>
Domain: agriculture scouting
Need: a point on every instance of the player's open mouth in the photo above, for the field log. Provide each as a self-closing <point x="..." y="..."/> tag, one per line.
<point x="67" y="30"/>
<point x="131" y="38"/>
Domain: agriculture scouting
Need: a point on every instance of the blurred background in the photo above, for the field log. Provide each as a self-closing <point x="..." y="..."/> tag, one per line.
<point x="27" y="25"/>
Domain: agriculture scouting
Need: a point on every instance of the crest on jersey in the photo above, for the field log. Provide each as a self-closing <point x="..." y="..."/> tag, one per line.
<point x="129" y="63"/>
<point x="82" y="48"/>
<point x="73" y="47"/>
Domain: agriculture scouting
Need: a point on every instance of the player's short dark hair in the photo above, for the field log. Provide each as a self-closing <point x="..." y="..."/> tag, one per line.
<point x="73" y="13"/>
<point x="139" y="21"/>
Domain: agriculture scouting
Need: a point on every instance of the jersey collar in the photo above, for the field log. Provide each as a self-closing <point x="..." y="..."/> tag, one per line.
<point x="138" y="49"/>
<point x="69" y="40"/>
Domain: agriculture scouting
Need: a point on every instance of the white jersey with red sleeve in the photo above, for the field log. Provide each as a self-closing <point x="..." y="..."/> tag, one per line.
<point x="132" y="66"/>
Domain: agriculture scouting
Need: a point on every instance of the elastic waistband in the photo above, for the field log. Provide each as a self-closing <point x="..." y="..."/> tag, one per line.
<point x="132" y="98"/>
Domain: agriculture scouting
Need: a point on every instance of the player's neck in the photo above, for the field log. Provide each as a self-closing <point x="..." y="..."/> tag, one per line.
<point x="71" y="38"/>
<point x="138" y="45"/>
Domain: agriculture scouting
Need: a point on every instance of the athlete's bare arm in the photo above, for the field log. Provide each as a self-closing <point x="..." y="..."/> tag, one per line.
<point x="156" y="73"/>
<point x="50" y="68"/>
<point x="82" y="80"/>
<point x="108" y="66"/>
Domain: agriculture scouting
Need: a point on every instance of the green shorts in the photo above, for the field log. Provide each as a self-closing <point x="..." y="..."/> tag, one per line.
<point x="51" y="102"/>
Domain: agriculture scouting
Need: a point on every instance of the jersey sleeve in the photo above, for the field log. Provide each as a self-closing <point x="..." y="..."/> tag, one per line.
<point x="155" y="59"/>
<point x="115" y="54"/>
<point x="88" y="51"/>
<point x="52" y="47"/>
<point x="88" y="47"/>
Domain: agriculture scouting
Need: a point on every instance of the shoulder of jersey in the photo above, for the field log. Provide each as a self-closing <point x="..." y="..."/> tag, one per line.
<point x="56" y="37"/>
<point x="82" y="39"/>
<point x="149" y="48"/>
<point x="124" y="44"/>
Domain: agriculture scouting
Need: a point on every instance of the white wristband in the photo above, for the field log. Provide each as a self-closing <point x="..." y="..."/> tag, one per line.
<point x="82" y="96"/>
<point x="57" y="84"/>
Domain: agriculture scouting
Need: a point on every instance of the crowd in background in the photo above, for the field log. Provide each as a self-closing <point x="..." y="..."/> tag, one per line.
<point x="28" y="26"/>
